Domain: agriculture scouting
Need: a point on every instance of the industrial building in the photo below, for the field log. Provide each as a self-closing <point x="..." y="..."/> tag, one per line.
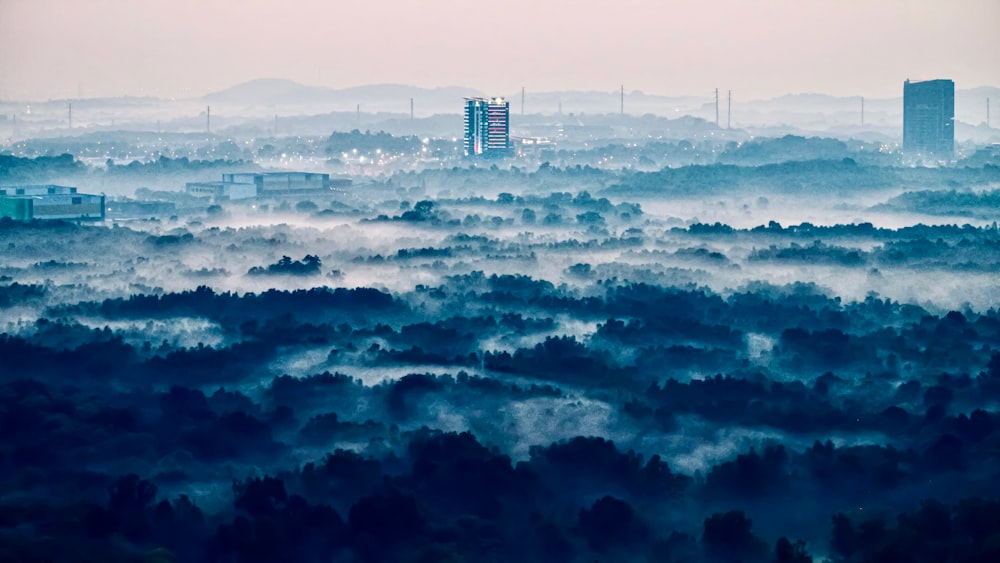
<point x="25" y="203"/>
<point x="220" y="191"/>
<point x="134" y="209"/>
<point x="245" y="185"/>
<point x="929" y="118"/>
<point x="487" y="127"/>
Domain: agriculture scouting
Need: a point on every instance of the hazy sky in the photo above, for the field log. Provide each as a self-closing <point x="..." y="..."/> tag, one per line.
<point x="179" y="48"/>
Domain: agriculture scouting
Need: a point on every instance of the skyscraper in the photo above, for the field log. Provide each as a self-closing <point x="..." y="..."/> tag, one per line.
<point x="929" y="117"/>
<point x="487" y="126"/>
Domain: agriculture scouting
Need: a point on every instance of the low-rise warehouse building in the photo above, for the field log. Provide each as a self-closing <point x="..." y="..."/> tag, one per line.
<point x="25" y="203"/>
<point x="244" y="185"/>
<point x="219" y="191"/>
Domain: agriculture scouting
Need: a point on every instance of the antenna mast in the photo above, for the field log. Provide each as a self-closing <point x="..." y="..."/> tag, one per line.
<point x="729" y="110"/>
<point x="716" y="107"/>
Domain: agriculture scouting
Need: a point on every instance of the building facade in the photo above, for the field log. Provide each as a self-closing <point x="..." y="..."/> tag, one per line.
<point x="25" y="203"/>
<point x="929" y="118"/>
<point x="487" y="126"/>
<point x="246" y="185"/>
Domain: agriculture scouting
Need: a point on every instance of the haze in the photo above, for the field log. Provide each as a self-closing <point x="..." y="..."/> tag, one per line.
<point x="95" y="48"/>
<point x="301" y="302"/>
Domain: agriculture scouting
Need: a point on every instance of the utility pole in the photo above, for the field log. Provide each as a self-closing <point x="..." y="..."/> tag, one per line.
<point x="729" y="111"/>
<point x="208" y="119"/>
<point x="716" y="107"/>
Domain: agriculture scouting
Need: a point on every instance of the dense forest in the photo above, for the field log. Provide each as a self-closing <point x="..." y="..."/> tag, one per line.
<point x="548" y="377"/>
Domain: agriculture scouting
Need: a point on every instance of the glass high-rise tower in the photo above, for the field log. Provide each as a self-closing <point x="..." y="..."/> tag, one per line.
<point x="487" y="126"/>
<point x="929" y="117"/>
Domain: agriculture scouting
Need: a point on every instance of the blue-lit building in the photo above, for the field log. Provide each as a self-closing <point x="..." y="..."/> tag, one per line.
<point x="929" y="118"/>
<point x="26" y="203"/>
<point x="487" y="126"/>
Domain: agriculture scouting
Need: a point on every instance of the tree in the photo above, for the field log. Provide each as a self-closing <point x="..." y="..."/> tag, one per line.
<point x="844" y="540"/>
<point x="788" y="552"/>
<point x="727" y="535"/>
<point x="590" y="218"/>
<point x="260" y="496"/>
<point x="128" y="498"/>
<point x="993" y="369"/>
<point x="387" y="518"/>
<point x="608" y="522"/>
<point x="306" y="206"/>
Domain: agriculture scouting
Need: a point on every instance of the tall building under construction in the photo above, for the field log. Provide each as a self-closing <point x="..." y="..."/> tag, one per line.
<point x="487" y="126"/>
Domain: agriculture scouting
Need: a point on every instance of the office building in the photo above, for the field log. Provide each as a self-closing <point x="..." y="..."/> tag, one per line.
<point x="929" y="118"/>
<point x="487" y="126"/>
<point x="25" y="203"/>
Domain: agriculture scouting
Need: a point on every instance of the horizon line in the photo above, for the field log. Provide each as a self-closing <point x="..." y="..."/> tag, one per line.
<point x="614" y="92"/>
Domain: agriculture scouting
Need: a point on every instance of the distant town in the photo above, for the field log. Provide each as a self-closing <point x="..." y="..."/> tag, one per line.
<point x="249" y="167"/>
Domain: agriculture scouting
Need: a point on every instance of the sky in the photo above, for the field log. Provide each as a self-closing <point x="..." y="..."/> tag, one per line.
<point x="55" y="49"/>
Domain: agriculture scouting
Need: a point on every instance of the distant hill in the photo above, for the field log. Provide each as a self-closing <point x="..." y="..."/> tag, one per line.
<point x="279" y="92"/>
<point x="258" y="104"/>
<point x="266" y="91"/>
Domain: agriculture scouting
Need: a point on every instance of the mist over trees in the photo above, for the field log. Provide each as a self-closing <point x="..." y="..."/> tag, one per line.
<point x="680" y="349"/>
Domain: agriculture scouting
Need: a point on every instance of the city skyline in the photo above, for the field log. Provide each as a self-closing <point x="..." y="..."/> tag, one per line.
<point x="97" y="48"/>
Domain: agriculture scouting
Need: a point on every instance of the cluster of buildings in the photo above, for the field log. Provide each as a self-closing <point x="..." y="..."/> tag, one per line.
<point x="928" y="132"/>
<point x="928" y="122"/>
<point x="29" y="202"/>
